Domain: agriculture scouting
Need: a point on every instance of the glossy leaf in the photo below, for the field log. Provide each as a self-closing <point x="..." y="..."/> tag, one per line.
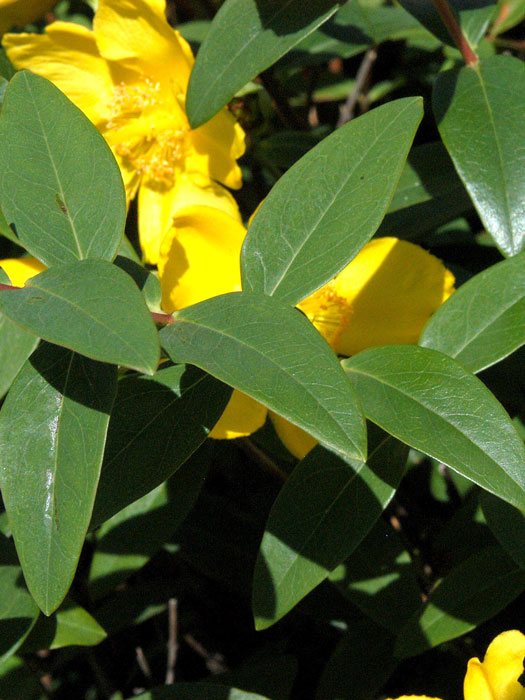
<point x="246" y="36"/>
<point x="156" y="425"/>
<point x="91" y="307"/>
<point x="507" y="524"/>
<point x="484" y="321"/>
<point x="18" y="611"/>
<point x="52" y="433"/>
<point x="272" y="353"/>
<point x="473" y="16"/>
<point x="322" y="513"/>
<point x="69" y="625"/>
<point x="60" y="186"/>
<point x="476" y="590"/>
<point x="433" y="404"/>
<point x="480" y="116"/>
<point x="329" y="204"/>
<point x="197" y="691"/>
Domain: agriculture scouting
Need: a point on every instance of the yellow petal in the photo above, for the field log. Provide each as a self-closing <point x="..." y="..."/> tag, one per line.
<point x="497" y="677"/>
<point x="67" y="55"/>
<point x="216" y="146"/>
<point x="199" y="257"/>
<point x="158" y="204"/>
<point x="242" y="416"/>
<point x="385" y="295"/>
<point x="295" y="439"/>
<point x="20" y="12"/>
<point x="137" y="33"/>
<point x="19" y="270"/>
<point x="414" y="697"/>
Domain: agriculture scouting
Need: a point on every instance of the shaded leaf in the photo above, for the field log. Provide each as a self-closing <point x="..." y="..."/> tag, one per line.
<point x="70" y="625"/>
<point x="480" y="116"/>
<point x="91" y="307"/>
<point x="60" y="186"/>
<point x="476" y="590"/>
<point x="431" y="403"/>
<point x="156" y="425"/>
<point x="322" y="513"/>
<point x="52" y="433"/>
<point x="507" y="524"/>
<point x="484" y="321"/>
<point x="329" y="204"/>
<point x="246" y="36"/>
<point x="197" y="691"/>
<point x="272" y="353"/>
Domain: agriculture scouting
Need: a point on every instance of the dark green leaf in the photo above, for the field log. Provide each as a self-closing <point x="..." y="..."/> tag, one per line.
<point x="507" y="524"/>
<point x="513" y="14"/>
<point x="70" y="625"/>
<point x="473" y="16"/>
<point x="197" y="691"/>
<point x="17" y="681"/>
<point x="329" y="204"/>
<point x="484" y="321"/>
<point x="16" y="345"/>
<point x="156" y="425"/>
<point x="272" y="353"/>
<point x="322" y="513"/>
<point x="52" y="433"/>
<point x="60" y="186"/>
<point x="146" y="280"/>
<point x="379" y="578"/>
<point x="247" y="36"/>
<point x="91" y="307"/>
<point x="473" y="592"/>
<point x="430" y="402"/>
<point x="480" y="115"/>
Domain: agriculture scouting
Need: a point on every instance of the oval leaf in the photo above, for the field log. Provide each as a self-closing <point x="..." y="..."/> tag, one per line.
<point x="431" y="403"/>
<point x="484" y="321"/>
<point x="480" y="116"/>
<point x="507" y="524"/>
<point x="91" y="307"/>
<point x="156" y="425"/>
<point x="322" y="513"/>
<point x="16" y="345"/>
<point x="246" y="37"/>
<point x="52" y="433"/>
<point x="70" y="625"/>
<point x="476" y="590"/>
<point x="60" y="186"/>
<point x="272" y="353"/>
<point x="329" y="204"/>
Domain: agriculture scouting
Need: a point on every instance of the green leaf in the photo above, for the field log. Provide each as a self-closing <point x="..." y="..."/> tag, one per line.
<point x="246" y="36"/>
<point x="131" y="537"/>
<point x="16" y="345"/>
<point x="475" y="591"/>
<point x="481" y="120"/>
<point x="68" y="626"/>
<point x="507" y="524"/>
<point x="431" y="403"/>
<point x="52" y="432"/>
<point x="91" y="307"/>
<point x="322" y="513"/>
<point x="379" y="579"/>
<point x="473" y="17"/>
<point x="329" y="204"/>
<point x="60" y="186"/>
<point x="156" y="425"/>
<point x="484" y="321"/>
<point x="272" y="353"/>
<point x="18" y="611"/>
<point x="17" y="681"/>
<point x="514" y="14"/>
<point x="197" y="691"/>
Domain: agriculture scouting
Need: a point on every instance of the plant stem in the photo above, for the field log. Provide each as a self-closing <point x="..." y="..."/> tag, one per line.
<point x="451" y="23"/>
<point x="7" y="287"/>
<point x="361" y="79"/>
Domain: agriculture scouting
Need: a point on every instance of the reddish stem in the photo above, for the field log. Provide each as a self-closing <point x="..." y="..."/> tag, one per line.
<point x="8" y="286"/>
<point x="451" y="23"/>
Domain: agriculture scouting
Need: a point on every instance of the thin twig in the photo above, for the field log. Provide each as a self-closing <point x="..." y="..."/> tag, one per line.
<point x="451" y="23"/>
<point x="346" y="112"/>
<point x="262" y="459"/>
<point x="173" y="647"/>
<point x="142" y="662"/>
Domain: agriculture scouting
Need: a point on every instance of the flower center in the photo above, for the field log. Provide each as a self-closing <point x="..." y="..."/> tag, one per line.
<point x="147" y="128"/>
<point x="328" y="311"/>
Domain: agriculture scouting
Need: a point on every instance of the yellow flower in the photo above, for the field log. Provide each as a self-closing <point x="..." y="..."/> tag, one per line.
<point x="19" y="270"/>
<point x="129" y="76"/>
<point x="385" y="295"/>
<point x="497" y="677"/>
<point x="17" y="13"/>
